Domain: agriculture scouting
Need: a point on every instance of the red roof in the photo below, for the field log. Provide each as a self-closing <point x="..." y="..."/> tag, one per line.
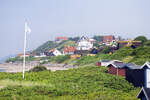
<point x="117" y="39"/>
<point x="108" y="38"/>
<point x="61" y="38"/>
<point x="69" y="49"/>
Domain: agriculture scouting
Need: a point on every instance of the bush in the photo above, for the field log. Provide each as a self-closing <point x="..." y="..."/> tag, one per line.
<point x="38" y="69"/>
<point x="141" y="38"/>
<point x="107" y="50"/>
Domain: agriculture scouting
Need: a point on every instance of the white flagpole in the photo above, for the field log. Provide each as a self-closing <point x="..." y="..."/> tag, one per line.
<point x="24" y="58"/>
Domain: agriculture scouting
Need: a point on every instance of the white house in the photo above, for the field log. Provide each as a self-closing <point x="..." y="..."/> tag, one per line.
<point x="84" y="44"/>
<point x="56" y="52"/>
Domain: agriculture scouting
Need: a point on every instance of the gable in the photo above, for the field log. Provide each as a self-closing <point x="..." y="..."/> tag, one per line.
<point x="146" y="65"/>
<point x="144" y="93"/>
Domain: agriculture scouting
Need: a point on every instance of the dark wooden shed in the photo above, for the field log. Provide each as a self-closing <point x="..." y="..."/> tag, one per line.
<point x="139" y="75"/>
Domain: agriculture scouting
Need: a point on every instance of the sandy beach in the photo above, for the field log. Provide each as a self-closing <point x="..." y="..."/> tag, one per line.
<point x="17" y="67"/>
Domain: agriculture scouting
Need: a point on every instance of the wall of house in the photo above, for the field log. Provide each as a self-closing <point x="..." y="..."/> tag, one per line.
<point x="136" y="77"/>
<point x="122" y="72"/>
<point x="115" y="71"/>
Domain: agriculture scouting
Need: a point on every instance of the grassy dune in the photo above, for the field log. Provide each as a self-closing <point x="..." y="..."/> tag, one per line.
<point x="87" y="83"/>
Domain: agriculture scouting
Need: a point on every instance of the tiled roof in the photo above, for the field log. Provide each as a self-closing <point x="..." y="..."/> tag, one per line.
<point x="108" y="38"/>
<point x="69" y="49"/>
<point x="61" y="38"/>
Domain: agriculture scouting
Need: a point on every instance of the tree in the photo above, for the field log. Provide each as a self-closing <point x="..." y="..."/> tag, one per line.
<point x="147" y="43"/>
<point x="74" y="38"/>
<point x="98" y="38"/>
<point x="141" y="38"/>
<point x="107" y="50"/>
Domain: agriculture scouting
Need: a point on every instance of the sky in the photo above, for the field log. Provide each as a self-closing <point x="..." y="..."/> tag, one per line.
<point x="51" y="18"/>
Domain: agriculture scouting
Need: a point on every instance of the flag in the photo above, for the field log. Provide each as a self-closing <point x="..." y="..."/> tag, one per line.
<point x="27" y="28"/>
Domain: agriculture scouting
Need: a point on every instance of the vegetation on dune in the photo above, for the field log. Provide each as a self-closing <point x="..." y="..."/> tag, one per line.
<point x="127" y="54"/>
<point x="91" y="83"/>
<point x="38" y="69"/>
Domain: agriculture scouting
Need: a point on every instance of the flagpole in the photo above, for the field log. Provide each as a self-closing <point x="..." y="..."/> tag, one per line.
<point x="24" y="58"/>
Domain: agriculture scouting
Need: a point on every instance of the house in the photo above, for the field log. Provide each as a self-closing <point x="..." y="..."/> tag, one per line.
<point x="117" y="39"/>
<point x="135" y="75"/>
<point x="92" y="40"/>
<point x="108" y="38"/>
<point x="131" y="43"/>
<point x="94" y="51"/>
<point x="144" y="94"/>
<point x="75" y="56"/>
<point x="69" y="50"/>
<point x="59" y="39"/>
<point x="122" y="69"/>
<point x="117" y="69"/>
<point x="84" y="44"/>
<point x="53" y="52"/>
<point x="146" y="68"/>
<point x="41" y="55"/>
<point x="139" y="76"/>
<point x="21" y="55"/>
<point x="106" y="62"/>
<point x="57" y="52"/>
<point x="111" y="41"/>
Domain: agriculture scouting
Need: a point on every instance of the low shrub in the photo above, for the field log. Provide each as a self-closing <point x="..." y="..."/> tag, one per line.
<point x="38" y="69"/>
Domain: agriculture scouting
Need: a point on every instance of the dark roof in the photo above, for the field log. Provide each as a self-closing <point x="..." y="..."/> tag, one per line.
<point x="118" y="65"/>
<point x="133" y="66"/>
<point x="144" y="92"/>
<point x="128" y="65"/>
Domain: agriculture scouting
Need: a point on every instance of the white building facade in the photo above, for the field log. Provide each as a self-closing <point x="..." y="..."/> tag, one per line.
<point x="84" y="44"/>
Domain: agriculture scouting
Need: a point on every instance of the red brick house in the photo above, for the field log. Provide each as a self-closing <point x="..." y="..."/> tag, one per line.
<point x="69" y="50"/>
<point x="108" y="38"/>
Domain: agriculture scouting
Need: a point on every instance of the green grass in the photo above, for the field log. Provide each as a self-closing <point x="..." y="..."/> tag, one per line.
<point x="87" y="83"/>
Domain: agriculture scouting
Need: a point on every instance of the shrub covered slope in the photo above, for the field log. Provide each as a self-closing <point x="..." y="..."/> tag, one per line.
<point x="87" y="83"/>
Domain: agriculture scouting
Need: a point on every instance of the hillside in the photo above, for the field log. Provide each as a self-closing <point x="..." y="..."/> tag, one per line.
<point x="127" y="54"/>
<point x="88" y="83"/>
<point x="51" y="44"/>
